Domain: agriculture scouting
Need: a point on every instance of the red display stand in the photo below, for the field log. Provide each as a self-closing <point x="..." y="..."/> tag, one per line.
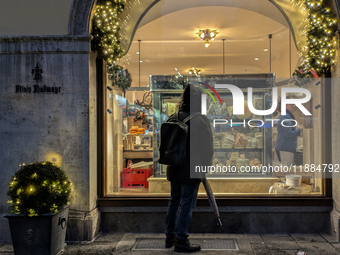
<point x="136" y="178"/>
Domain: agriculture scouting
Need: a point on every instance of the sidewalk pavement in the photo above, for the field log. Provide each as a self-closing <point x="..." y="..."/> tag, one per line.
<point x="122" y="243"/>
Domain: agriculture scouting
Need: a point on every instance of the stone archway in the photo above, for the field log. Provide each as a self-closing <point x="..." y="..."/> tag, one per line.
<point x="80" y="17"/>
<point x="79" y="24"/>
<point x="82" y="10"/>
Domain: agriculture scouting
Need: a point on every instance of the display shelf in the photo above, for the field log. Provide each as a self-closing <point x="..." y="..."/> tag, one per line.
<point x="130" y="142"/>
<point x="236" y="150"/>
<point x="225" y="133"/>
<point x="133" y="154"/>
<point x="168" y="89"/>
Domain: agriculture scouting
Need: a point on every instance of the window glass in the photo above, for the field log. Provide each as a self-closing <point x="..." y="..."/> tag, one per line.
<point x="166" y="54"/>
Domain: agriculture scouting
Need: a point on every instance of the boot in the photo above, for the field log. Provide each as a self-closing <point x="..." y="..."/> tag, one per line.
<point x="186" y="247"/>
<point x="170" y="241"/>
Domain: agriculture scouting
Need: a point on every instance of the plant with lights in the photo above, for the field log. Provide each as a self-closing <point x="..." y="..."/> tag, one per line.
<point x="119" y="76"/>
<point x="106" y="29"/>
<point x="38" y="188"/>
<point x="320" y="52"/>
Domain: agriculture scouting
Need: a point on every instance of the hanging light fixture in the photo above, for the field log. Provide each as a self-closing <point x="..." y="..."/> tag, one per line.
<point x="195" y="71"/>
<point x="207" y="35"/>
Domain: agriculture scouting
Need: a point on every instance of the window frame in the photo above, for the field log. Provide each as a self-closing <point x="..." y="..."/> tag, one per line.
<point x="105" y="200"/>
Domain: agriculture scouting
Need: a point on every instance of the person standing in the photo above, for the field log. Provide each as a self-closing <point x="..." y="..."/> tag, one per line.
<point x="287" y="136"/>
<point x="184" y="189"/>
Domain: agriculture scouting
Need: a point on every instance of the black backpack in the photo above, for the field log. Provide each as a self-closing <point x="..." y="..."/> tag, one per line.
<point x="173" y="141"/>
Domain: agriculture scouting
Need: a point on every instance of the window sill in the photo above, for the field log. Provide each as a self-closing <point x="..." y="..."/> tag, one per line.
<point x="221" y="201"/>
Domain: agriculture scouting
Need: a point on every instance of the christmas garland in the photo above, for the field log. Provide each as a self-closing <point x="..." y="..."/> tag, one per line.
<point x="119" y="76"/>
<point x="106" y="30"/>
<point x="141" y="116"/>
<point x="320" y="51"/>
<point x="319" y="54"/>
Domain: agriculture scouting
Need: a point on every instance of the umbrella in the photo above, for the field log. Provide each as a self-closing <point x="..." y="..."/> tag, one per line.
<point x="212" y="200"/>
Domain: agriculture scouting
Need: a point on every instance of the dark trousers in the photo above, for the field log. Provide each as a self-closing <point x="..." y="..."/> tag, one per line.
<point x="177" y="221"/>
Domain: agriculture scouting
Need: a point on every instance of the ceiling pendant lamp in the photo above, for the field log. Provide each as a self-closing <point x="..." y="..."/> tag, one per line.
<point x="195" y="71"/>
<point x="207" y="34"/>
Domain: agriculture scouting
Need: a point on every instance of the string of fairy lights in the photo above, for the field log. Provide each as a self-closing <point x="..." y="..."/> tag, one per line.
<point x="319" y="52"/>
<point x="319" y="27"/>
<point x="106" y="27"/>
<point x="38" y="188"/>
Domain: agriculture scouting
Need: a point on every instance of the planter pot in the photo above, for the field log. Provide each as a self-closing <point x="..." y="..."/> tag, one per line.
<point x="38" y="235"/>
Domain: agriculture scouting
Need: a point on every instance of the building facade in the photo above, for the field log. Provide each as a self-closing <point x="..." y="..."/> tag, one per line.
<point x="54" y="107"/>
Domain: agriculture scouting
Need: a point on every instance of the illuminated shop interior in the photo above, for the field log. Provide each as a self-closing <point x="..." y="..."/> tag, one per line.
<point x="167" y="53"/>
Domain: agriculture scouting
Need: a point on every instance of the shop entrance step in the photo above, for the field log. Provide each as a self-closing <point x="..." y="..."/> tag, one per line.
<point x="207" y="244"/>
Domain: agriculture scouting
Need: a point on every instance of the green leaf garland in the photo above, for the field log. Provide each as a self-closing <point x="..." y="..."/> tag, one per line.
<point x="320" y="50"/>
<point x="119" y="76"/>
<point x="106" y="29"/>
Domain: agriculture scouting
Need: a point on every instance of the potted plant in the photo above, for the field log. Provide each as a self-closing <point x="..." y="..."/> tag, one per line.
<point x="39" y="201"/>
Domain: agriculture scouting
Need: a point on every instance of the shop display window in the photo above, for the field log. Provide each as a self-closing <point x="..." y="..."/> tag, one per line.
<point x="165" y="55"/>
<point x="134" y="145"/>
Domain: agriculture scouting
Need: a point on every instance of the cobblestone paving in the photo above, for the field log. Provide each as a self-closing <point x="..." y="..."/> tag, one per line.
<point x="122" y="243"/>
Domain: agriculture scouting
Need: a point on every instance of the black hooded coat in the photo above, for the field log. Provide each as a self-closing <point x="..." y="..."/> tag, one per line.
<point x="200" y="143"/>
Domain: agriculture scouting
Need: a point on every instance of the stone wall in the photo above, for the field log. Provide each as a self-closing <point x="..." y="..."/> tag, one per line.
<point x="235" y="219"/>
<point x="59" y="127"/>
<point x="335" y="215"/>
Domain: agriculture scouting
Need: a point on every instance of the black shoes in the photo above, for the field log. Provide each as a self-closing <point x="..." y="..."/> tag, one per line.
<point x="186" y="247"/>
<point x="170" y="241"/>
<point x="181" y="245"/>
